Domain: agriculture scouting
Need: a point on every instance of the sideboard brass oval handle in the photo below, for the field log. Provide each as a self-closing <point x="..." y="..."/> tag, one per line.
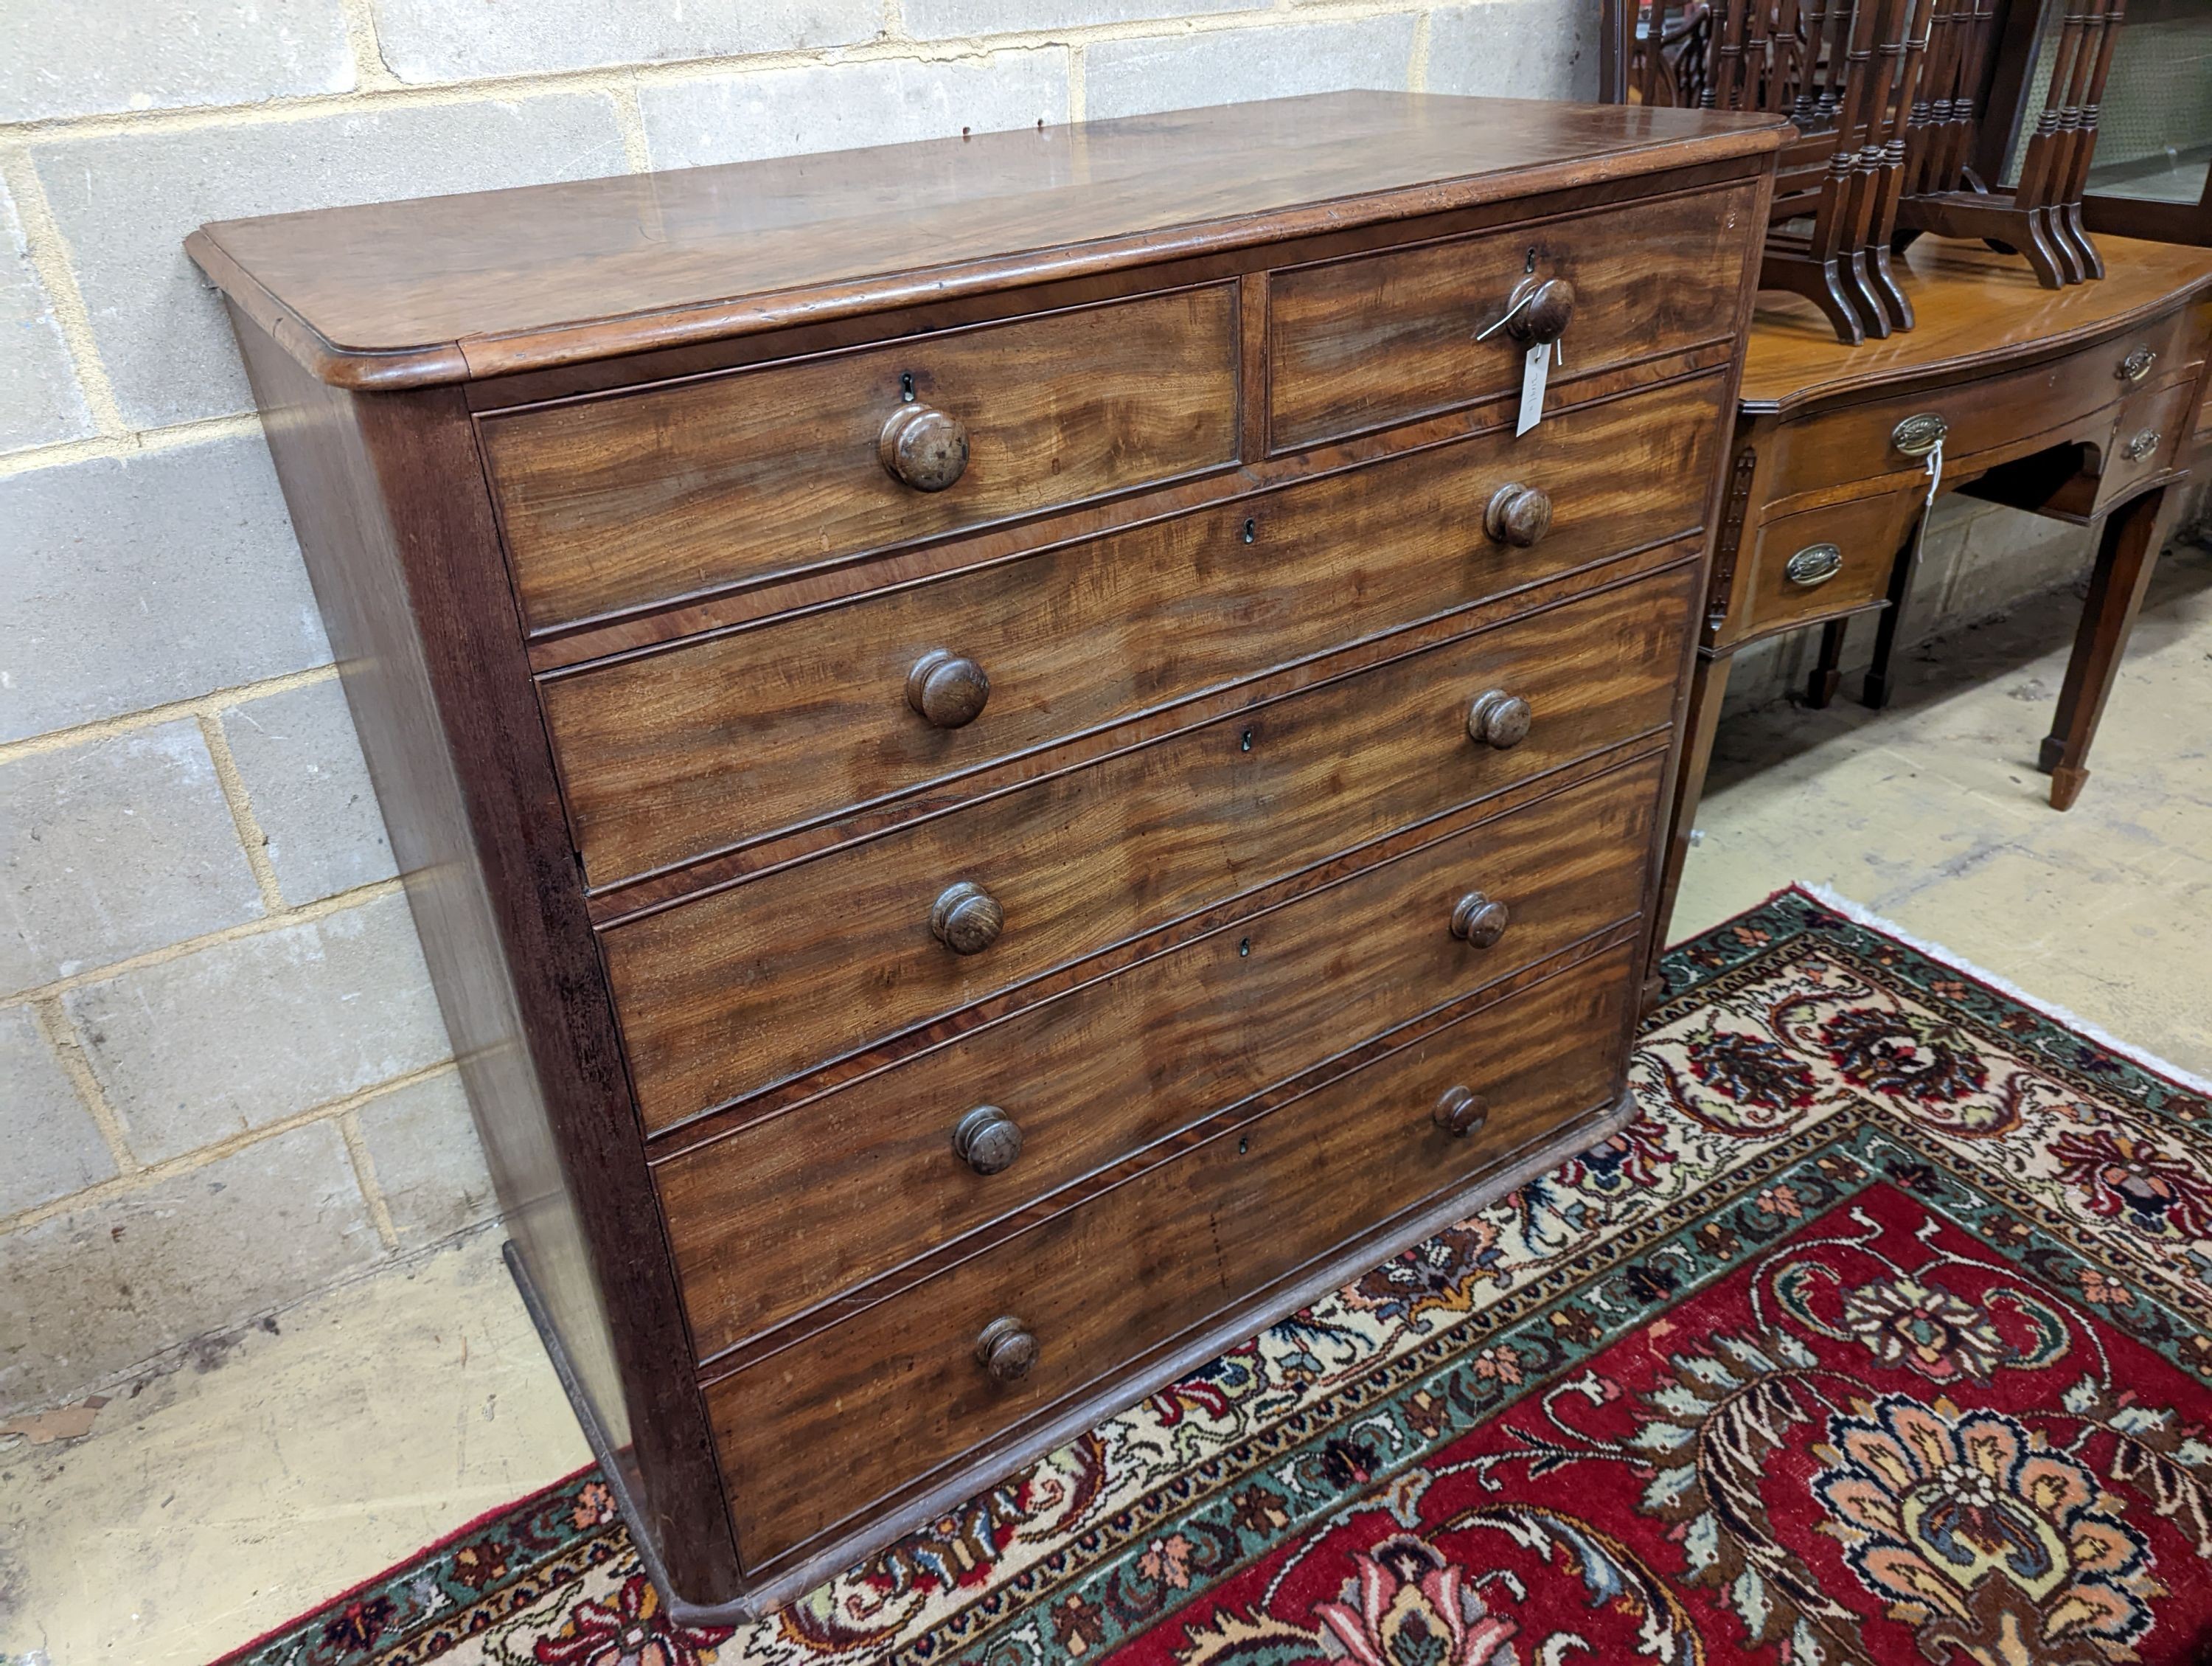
<point x="948" y="691"/>
<point x="1480" y="920"/>
<point x="1517" y="514"/>
<point x="1460" y="1111"/>
<point x="2143" y="445"/>
<point x="987" y="1140"/>
<point x="1006" y="1349"/>
<point x="2137" y="364"/>
<point x="1816" y="563"/>
<point x="966" y="918"/>
<point x="1498" y="718"/>
<point x="1542" y="313"/>
<point x="1916" y="437"/>
<point x="924" y="447"/>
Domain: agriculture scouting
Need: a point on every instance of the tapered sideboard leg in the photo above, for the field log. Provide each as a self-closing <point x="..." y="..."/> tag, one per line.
<point x="2126" y="557"/>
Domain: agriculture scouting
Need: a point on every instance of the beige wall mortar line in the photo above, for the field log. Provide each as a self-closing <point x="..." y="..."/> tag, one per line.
<point x="151" y="1174"/>
<point x="369" y="67"/>
<point x="605" y="78"/>
<point x="61" y="1039"/>
<point x="630" y="117"/>
<point x="306" y="913"/>
<point x="56" y="274"/>
<point x="364" y="1173"/>
<point x="198" y="706"/>
<point x="240" y="804"/>
<point x="130" y="443"/>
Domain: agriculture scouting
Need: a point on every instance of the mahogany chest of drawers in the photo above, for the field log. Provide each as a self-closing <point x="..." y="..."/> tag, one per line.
<point x="1005" y="765"/>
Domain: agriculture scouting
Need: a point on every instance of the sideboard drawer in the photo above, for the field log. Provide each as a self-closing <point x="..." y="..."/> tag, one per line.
<point x="2146" y="437"/>
<point x="785" y="1212"/>
<point x="1122" y="1276"/>
<point x="1819" y="562"/>
<point x="1374" y="339"/>
<point x="1862" y="442"/>
<point x="616" y="502"/>
<point x="674" y="754"/>
<point x="730" y="992"/>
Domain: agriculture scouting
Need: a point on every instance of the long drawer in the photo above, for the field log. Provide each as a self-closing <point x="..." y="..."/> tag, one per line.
<point x="1118" y="1277"/>
<point x="1860" y="441"/>
<point x="1375" y="339"/>
<point x="677" y="753"/>
<point x="611" y="503"/>
<point x="787" y="1211"/>
<point x="727" y="993"/>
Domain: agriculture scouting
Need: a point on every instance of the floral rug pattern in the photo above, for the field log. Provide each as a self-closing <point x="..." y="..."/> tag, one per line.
<point x="1881" y="1336"/>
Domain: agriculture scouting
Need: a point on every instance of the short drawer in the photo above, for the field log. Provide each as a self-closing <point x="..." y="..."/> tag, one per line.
<point x="1375" y="339"/>
<point x="1862" y="442"/>
<point x="1822" y="562"/>
<point x="728" y="993"/>
<point x="786" y="1212"/>
<point x="2146" y="438"/>
<point x="613" y="502"/>
<point x="1116" y="1279"/>
<point x="670" y="756"/>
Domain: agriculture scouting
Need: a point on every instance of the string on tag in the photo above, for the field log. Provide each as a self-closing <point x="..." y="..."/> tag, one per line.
<point x="1935" y="466"/>
<point x="1485" y="335"/>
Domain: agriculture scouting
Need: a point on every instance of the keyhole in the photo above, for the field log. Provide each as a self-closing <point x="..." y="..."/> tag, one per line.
<point x="905" y="386"/>
<point x="1251" y="531"/>
<point x="1244" y="1145"/>
<point x="1244" y="741"/>
<point x="1531" y="265"/>
<point x="1243" y="947"/>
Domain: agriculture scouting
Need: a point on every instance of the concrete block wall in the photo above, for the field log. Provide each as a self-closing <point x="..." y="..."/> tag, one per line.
<point x="223" y="1082"/>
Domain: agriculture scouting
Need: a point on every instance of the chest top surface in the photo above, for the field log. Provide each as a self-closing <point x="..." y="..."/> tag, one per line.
<point x="448" y="289"/>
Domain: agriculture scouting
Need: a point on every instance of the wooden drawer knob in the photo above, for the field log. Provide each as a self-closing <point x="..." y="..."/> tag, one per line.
<point x="1006" y="1349"/>
<point x="2137" y="364"/>
<point x="1498" y="719"/>
<point x="1480" y="920"/>
<point x="923" y="447"/>
<point x="966" y="918"/>
<point x="946" y="689"/>
<point x="1461" y="1111"/>
<point x="987" y="1140"/>
<point x="1545" y="315"/>
<point x="1517" y="514"/>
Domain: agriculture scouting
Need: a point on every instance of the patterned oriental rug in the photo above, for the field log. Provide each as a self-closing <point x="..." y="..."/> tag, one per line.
<point x="1881" y="1337"/>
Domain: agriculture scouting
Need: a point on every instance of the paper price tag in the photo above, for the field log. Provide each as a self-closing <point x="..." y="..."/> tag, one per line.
<point x="1535" y="374"/>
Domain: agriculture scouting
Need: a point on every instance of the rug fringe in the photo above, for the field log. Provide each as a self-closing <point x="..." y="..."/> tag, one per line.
<point x="2004" y="986"/>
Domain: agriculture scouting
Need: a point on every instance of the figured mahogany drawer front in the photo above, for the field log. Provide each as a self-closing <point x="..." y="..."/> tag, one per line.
<point x="678" y="753"/>
<point x="732" y="991"/>
<point x="2146" y="437"/>
<point x="1374" y="339"/>
<point x="1888" y="436"/>
<point x="1118" y="1278"/>
<point x="1821" y="562"/>
<point x="791" y="1210"/>
<point x="612" y="504"/>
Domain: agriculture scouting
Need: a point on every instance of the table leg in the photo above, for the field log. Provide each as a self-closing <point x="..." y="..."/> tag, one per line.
<point x="1827" y="670"/>
<point x="1708" y="687"/>
<point x="2126" y="556"/>
<point x="1875" y="693"/>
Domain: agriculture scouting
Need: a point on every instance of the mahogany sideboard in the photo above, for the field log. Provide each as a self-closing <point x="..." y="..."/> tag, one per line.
<point x="2080" y="403"/>
<point x="1007" y="765"/>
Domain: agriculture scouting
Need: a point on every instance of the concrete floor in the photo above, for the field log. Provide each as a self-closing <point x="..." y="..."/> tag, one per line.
<point x="222" y="1499"/>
